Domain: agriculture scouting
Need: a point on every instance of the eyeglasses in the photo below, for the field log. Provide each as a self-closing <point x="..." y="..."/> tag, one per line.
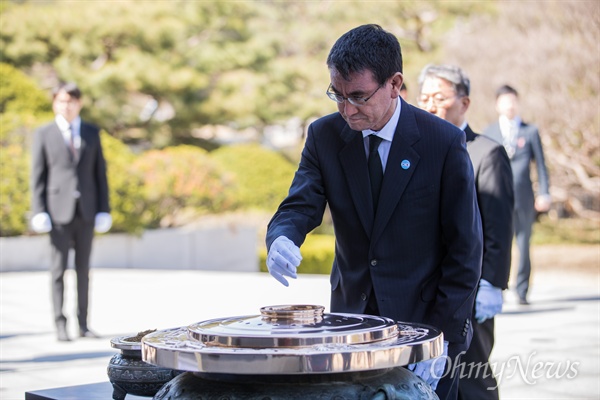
<point x="71" y="102"/>
<point x="438" y="99"/>
<point x="355" y="101"/>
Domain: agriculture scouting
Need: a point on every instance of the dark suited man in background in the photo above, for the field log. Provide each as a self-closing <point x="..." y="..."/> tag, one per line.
<point x="400" y="187"/>
<point x="524" y="146"/>
<point x="69" y="198"/>
<point x="404" y="91"/>
<point x="444" y="91"/>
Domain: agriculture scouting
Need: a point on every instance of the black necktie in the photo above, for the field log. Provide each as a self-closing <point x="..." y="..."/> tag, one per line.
<point x="375" y="168"/>
<point x="72" y="143"/>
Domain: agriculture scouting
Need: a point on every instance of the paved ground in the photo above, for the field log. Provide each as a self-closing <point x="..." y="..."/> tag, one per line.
<point x="549" y="350"/>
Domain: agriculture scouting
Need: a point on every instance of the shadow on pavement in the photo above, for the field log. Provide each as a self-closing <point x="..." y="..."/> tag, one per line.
<point x="62" y="357"/>
<point x="23" y="334"/>
<point x="587" y="298"/>
<point x="534" y="310"/>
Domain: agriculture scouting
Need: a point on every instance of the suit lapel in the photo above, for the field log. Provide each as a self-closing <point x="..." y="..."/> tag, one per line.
<point x="401" y="164"/>
<point x="354" y="163"/>
<point x="495" y="133"/>
<point x="470" y="134"/>
<point x="56" y="143"/>
<point x="521" y="138"/>
<point x="84" y="134"/>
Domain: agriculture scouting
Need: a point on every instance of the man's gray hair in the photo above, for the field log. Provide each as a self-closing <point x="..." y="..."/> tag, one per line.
<point x="451" y="73"/>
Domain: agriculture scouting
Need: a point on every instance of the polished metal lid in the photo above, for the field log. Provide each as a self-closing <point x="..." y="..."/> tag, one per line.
<point x="292" y="339"/>
<point x="293" y="326"/>
<point x="122" y="343"/>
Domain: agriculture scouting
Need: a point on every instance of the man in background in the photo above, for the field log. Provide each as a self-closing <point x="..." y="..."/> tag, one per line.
<point x="404" y="91"/>
<point x="444" y="91"/>
<point x="69" y="198"/>
<point x="524" y="146"/>
<point x="400" y="187"/>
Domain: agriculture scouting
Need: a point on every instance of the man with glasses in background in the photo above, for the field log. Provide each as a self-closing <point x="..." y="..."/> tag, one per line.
<point x="400" y="187"/>
<point x="444" y="91"/>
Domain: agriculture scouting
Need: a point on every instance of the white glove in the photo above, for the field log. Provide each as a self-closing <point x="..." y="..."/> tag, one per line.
<point x="488" y="301"/>
<point x="103" y="222"/>
<point x="543" y="203"/>
<point x="432" y="370"/>
<point x="40" y="223"/>
<point x="283" y="259"/>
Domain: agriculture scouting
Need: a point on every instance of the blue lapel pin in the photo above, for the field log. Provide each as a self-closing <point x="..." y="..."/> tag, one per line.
<point x="405" y="164"/>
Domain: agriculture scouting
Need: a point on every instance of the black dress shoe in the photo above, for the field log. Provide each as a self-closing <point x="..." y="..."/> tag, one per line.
<point x="61" y="334"/>
<point x="86" y="333"/>
<point x="523" y="302"/>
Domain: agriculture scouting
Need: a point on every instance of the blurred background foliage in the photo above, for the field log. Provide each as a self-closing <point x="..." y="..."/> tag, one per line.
<point x="186" y="92"/>
<point x="260" y="177"/>
<point x="125" y="189"/>
<point x="181" y="182"/>
<point x="317" y="254"/>
<point x="155" y="71"/>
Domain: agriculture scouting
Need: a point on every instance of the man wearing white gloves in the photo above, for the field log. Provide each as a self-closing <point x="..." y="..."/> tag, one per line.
<point x="444" y="91"/>
<point x="69" y="198"/>
<point x="400" y="187"/>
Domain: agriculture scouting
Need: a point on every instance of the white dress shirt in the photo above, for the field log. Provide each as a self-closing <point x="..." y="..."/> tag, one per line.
<point x="74" y="128"/>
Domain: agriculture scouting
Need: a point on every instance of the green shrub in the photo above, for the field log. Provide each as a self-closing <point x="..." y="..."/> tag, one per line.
<point x="548" y="231"/>
<point x="23" y="106"/>
<point x="14" y="190"/>
<point x="181" y="183"/>
<point x="261" y="177"/>
<point x="317" y="255"/>
<point x="22" y="103"/>
<point x="125" y="186"/>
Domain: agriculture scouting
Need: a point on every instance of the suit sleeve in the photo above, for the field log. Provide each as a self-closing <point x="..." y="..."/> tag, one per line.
<point x="302" y="210"/>
<point x="495" y="194"/>
<point x="462" y="238"/>
<point x="102" y="180"/>
<point x="39" y="174"/>
<point x="542" y="172"/>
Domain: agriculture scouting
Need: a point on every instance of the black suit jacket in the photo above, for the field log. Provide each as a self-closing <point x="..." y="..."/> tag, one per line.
<point x="57" y="179"/>
<point x="494" y="183"/>
<point x="421" y="253"/>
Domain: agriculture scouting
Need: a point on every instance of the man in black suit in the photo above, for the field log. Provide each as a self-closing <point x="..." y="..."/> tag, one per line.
<point x="444" y="91"/>
<point x="404" y="91"/>
<point x="524" y="146"/>
<point x="409" y="249"/>
<point x="69" y="197"/>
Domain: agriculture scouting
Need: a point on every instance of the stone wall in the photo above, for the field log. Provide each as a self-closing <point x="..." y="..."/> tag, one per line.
<point x="225" y="247"/>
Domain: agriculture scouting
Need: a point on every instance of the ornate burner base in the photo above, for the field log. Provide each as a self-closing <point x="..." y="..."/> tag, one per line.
<point x="365" y="385"/>
<point x="128" y="374"/>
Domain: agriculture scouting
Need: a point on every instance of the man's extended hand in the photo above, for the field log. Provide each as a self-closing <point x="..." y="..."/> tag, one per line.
<point x="283" y="259"/>
<point x="488" y="302"/>
<point x="431" y="371"/>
